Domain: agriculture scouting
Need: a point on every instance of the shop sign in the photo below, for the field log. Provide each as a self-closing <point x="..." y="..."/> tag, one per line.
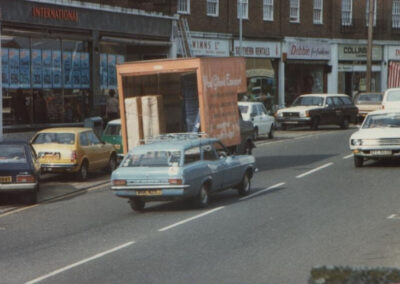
<point x="259" y="49"/>
<point x="210" y="47"/>
<point x="354" y="52"/>
<point x="309" y="50"/>
<point x="55" y="14"/>
<point x="394" y="53"/>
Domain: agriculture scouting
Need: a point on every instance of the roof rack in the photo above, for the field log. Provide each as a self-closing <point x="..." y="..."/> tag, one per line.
<point x="175" y="137"/>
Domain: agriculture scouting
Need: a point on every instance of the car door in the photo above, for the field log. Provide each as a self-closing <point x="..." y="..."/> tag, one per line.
<point x="100" y="156"/>
<point x="215" y="165"/>
<point x="328" y="114"/>
<point x="87" y="149"/>
<point x="231" y="166"/>
<point x="339" y="109"/>
<point x="266" y="118"/>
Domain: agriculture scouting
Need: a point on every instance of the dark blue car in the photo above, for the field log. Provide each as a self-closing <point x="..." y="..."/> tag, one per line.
<point x="19" y="170"/>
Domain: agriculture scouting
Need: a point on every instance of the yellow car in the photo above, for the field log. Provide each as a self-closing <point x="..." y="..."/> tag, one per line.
<point x="73" y="150"/>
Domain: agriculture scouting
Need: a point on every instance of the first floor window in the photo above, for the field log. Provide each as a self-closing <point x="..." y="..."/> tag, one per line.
<point x="396" y="14"/>
<point x="212" y="7"/>
<point x="242" y="6"/>
<point x="347" y="11"/>
<point x="184" y="6"/>
<point x="295" y="11"/>
<point x="268" y="9"/>
<point x="317" y="12"/>
<point x="367" y="13"/>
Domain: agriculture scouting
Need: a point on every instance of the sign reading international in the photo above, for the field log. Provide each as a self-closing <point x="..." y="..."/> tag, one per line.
<point x="309" y="50"/>
<point x="354" y="52"/>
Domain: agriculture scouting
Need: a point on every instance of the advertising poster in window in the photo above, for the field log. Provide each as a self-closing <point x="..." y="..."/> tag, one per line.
<point x="112" y="74"/>
<point x="37" y="76"/>
<point x="47" y="74"/>
<point x="85" y="70"/>
<point x="76" y="70"/>
<point x="103" y="71"/>
<point x="4" y="68"/>
<point x="56" y="59"/>
<point x="24" y="68"/>
<point x="13" y="65"/>
<point x="67" y="63"/>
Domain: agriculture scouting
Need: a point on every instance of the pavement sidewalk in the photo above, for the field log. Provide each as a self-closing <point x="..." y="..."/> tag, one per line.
<point x="25" y="136"/>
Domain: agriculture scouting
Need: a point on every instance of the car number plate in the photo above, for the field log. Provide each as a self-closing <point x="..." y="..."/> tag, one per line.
<point x="149" y="192"/>
<point x="381" y="152"/>
<point x="5" y="179"/>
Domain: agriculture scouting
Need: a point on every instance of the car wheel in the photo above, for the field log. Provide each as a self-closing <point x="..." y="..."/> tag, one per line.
<point x="245" y="185"/>
<point x="137" y="204"/>
<point x="255" y="134"/>
<point x="315" y="123"/>
<point x="345" y="123"/>
<point x="83" y="171"/>
<point x="201" y="199"/>
<point x="112" y="164"/>
<point x="358" y="161"/>
<point x="271" y="132"/>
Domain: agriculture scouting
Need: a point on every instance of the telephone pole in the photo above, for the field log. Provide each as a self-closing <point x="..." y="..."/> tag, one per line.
<point x="369" y="48"/>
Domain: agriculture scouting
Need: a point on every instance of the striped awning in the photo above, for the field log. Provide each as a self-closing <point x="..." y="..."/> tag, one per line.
<point x="394" y="74"/>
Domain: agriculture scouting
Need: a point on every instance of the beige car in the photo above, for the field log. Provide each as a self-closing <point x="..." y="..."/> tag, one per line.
<point x="367" y="102"/>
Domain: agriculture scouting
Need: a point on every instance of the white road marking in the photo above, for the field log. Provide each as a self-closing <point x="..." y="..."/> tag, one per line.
<point x="314" y="170"/>
<point x="262" y="191"/>
<point x="191" y="219"/>
<point x="18" y="210"/>
<point x="348" y="156"/>
<point x="58" y="271"/>
<point x="393" y="216"/>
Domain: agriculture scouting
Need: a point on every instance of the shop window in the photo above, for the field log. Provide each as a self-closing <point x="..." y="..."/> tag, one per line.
<point x="294" y="11"/>
<point x="268" y="9"/>
<point x="367" y="13"/>
<point x="184" y="6"/>
<point x="347" y="12"/>
<point x="213" y="8"/>
<point x="396" y="14"/>
<point x="243" y="9"/>
<point x="318" y="11"/>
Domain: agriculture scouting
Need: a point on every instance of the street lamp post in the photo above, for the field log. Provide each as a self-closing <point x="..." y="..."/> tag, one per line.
<point x="369" y="48"/>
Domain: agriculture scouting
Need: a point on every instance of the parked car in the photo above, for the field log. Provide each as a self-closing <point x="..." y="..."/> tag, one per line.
<point x="258" y="115"/>
<point x="112" y="135"/>
<point x="377" y="138"/>
<point x="180" y="166"/>
<point x="319" y="109"/>
<point x="391" y="99"/>
<point x="73" y="150"/>
<point x="19" y="170"/>
<point x="367" y="102"/>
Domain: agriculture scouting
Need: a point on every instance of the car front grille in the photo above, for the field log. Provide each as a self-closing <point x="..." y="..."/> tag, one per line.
<point x="291" y="114"/>
<point x="381" y="142"/>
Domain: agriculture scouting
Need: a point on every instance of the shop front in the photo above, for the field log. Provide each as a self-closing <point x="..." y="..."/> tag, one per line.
<point x="59" y="61"/>
<point x="262" y="64"/>
<point x="352" y="68"/>
<point x="306" y="68"/>
<point x="217" y="45"/>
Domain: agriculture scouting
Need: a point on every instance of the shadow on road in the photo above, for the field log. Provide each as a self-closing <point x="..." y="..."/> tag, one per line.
<point x="289" y="161"/>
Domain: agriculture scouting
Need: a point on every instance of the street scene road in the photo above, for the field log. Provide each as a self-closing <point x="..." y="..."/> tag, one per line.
<point x="309" y="206"/>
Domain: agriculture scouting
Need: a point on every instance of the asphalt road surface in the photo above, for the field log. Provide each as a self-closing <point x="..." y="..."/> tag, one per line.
<point x="309" y="207"/>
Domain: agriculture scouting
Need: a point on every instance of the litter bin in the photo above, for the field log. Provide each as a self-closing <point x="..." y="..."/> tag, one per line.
<point x="95" y="122"/>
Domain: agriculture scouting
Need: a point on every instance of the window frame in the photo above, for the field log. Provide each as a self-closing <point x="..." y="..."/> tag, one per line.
<point x="181" y="3"/>
<point x="268" y="4"/>
<point x="213" y="2"/>
<point x="245" y="3"/>
<point x="396" y="8"/>
<point x="293" y="19"/>
<point x="349" y="20"/>
<point x="320" y="9"/>
<point x="367" y="12"/>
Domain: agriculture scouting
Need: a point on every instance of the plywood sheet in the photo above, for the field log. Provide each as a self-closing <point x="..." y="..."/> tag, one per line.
<point x="134" y="122"/>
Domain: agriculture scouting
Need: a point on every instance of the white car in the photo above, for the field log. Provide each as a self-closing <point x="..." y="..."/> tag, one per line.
<point x="377" y="138"/>
<point x="257" y="114"/>
<point x="391" y="99"/>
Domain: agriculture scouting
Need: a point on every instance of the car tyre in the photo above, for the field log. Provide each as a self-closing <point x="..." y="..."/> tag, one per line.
<point x="83" y="171"/>
<point x="271" y="132"/>
<point x="112" y="164"/>
<point x="358" y="161"/>
<point x="315" y="123"/>
<point x="202" y="198"/>
<point x="137" y="204"/>
<point x="345" y="123"/>
<point x="245" y="185"/>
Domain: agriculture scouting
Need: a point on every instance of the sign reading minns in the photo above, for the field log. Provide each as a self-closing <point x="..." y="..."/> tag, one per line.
<point x="55" y="14"/>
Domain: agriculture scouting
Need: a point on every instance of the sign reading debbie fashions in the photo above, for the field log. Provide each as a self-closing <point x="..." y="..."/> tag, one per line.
<point x="354" y="52"/>
<point x="55" y="14"/>
<point x="309" y="50"/>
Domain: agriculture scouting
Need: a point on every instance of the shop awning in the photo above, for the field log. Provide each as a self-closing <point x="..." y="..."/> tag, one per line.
<point x="136" y="41"/>
<point x="394" y="75"/>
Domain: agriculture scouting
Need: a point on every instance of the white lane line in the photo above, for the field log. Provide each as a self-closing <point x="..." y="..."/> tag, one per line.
<point x="348" y="157"/>
<point x="393" y="216"/>
<point x="190" y="219"/>
<point x="314" y="170"/>
<point x="262" y="191"/>
<point x="58" y="271"/>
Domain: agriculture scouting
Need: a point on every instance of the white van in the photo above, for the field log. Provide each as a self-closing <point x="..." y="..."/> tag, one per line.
<point x="256" y="113"/>
<point x="391" y="99"/>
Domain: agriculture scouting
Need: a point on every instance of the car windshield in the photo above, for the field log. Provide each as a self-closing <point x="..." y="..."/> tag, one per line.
<point x="113" y="130"/>
<point x="58" y="138"/>
<point x="382" y="120"/>
<point x="393" y="96"/>
<point x="243" y="109"/>
<point x="12" y="154"/>
<point x="152" y="159"/>
<point x="308" y="101"/>
<point x="369" y="99"/>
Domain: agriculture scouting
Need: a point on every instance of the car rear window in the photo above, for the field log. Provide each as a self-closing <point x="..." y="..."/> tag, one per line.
<point x="12" y="154"/>
<point x="244" y="109"/>
<point x="369" y="99"/>
<point x="152" y="159"/>
<point x="58" y="138"/>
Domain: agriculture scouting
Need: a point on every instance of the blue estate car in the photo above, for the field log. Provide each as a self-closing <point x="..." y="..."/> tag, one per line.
<point x="181" y="166"/>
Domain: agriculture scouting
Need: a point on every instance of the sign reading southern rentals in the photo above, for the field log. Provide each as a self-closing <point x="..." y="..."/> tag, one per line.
<point x="258" y="49"/>
<point x="354" y="52"/>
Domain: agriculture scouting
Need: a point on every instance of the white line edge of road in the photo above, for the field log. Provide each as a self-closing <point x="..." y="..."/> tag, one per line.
<point x="191" y="219"/>
<point x="315" y="170"/>
<point x="262" y="191"/>
<point x="58" y="271"/>
<point x="348" y="157"/>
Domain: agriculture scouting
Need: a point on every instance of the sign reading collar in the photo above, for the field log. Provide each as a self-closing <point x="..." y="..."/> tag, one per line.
<point x="354" y="52"/>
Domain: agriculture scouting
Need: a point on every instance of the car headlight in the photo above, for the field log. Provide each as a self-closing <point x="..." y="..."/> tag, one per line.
<point x="279" y="114"/>
<point x="356" y="142"/>
<point x="304" y="114"/>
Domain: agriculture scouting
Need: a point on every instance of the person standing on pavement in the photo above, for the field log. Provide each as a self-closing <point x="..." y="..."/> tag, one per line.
<point x="112" y="106"/>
